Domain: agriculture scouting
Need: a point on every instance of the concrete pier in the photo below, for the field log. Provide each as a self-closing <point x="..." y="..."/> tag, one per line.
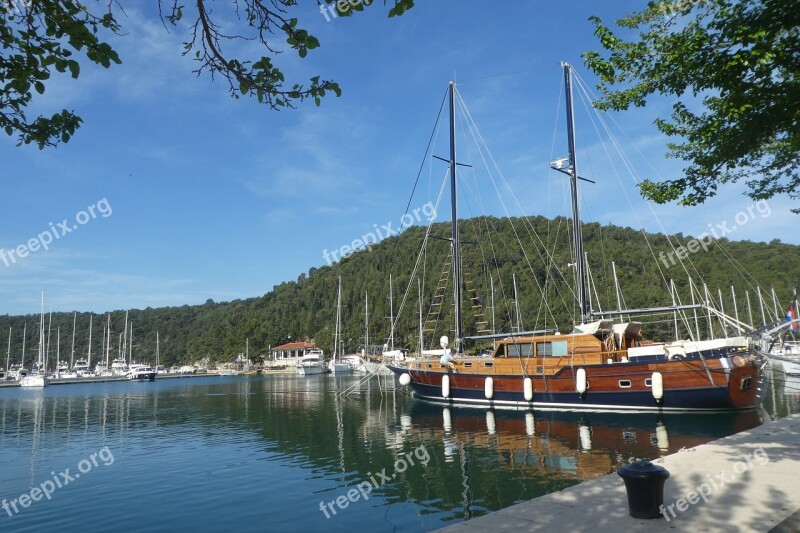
<point x="743" y="483"/>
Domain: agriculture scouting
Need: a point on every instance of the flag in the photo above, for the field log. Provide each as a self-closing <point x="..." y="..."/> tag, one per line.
<point x="790" y="317"/>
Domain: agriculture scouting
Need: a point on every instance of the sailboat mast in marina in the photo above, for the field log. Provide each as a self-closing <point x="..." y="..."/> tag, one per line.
<point x="598" y="365"/>
<point x="37" y="377"/>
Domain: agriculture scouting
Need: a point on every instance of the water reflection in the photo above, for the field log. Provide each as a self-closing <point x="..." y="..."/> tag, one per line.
<point x="192" y="451"/>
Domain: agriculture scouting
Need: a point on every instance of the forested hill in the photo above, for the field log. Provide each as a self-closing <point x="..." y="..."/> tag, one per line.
<point x="535" y="249"/>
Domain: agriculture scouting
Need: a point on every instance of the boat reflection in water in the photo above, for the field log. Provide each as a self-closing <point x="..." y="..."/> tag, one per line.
<point x="571" y="445"/>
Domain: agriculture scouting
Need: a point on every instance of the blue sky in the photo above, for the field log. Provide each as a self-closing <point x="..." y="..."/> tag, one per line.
<point x="211" y="197"/>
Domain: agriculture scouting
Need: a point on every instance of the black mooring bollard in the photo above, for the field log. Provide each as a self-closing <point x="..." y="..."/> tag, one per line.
<point x="644" y="483"/>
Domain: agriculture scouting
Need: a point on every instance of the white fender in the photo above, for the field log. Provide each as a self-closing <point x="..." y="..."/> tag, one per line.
<point x="445" y="386"/>
<point x="405" y="378"/>
<point x="491" y="428"/>
<point x="447" y="421"/>
<point x="580" y="381"/>
<point x="488" y="388"/>
<point x="658" y="386"/>
<point x="527" y="388"/>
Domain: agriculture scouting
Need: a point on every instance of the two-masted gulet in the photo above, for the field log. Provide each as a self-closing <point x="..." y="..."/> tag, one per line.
<point x="599" y="365"/>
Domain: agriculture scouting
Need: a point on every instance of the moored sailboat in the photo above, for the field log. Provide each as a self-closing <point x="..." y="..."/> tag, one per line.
<point x="598" y="365"/>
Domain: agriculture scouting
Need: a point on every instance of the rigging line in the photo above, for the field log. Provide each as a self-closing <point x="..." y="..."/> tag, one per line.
<point x="583" y="92"/>
<point x="740" y="269"/>
<point x="427" y="151"/>
<point x="474" y="130"/>
<point x="487" y="222"/>
<point x="420" y="254"/>
<point x="526" y="223"/>
<point x="561" y="182"/>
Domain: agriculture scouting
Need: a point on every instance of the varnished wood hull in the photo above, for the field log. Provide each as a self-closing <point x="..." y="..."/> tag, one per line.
<point x="688" y="385"/>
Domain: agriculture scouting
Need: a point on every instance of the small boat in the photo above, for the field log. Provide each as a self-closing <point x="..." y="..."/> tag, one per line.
<point x="81" y="368"/>
<point x="355" y="362"/>
<point x="779" y="342"/>
<point x="160" y="369"/>
<point x="16" y="373"/>
<point x="119" y="367"/>
<point x="34" y="381"/>
<point x="140" y="372"/>
<point x="101" y="369"/>
<point x="312" y="363"/>
<point x="37" y="378"/>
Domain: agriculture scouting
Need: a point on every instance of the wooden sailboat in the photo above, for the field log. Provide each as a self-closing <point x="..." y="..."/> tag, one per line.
<point x="599" y="365"/>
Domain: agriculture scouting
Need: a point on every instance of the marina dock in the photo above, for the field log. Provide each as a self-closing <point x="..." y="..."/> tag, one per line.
<point x="746" y="482"/>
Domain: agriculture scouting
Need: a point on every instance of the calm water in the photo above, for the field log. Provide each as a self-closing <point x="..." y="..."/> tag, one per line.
<point x="263" y="454"/>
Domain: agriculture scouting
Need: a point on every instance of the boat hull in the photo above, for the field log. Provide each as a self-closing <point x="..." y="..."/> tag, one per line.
<point x="143" y="376"/>
<point x="687" y="386"/>
<point x="310" y="370"/>
<point x="35" y="382"/>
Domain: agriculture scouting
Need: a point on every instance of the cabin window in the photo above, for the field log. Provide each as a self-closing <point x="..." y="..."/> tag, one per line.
<point x="488" y="365"/>
<point x="624" y="384"/>
<point x="520" y="350"/>
<point x="648" y="382"/>
<point x="429" y="366"/>
<point x="467" y="365"/>
<point x="554" y="349"/>
<point x="747" y="382"/>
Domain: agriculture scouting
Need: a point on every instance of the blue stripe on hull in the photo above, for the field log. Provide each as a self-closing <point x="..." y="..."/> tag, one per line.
<point x="674" y="400"/>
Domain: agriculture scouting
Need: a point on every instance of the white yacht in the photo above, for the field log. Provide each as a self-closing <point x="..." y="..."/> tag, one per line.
<point x="312" y="363"/>
<point x="101" y="369"/>
<point x="81" y="368"/>
<point x="139" y="372"/>
<point x="119" y="367"/>
<point x="36" y="378"/>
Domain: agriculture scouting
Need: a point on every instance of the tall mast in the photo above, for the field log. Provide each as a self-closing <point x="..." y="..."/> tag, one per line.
<point x="24" y="332"/>
<point x="454" y="214"/>
<point x="158" y="355"/>
<point x="72" y="353"/>
<point x="421" y="332"/>
<point x="336" y="335"/>
<point x="108" y="339"/>
<point x="516" y="304"/>
<point x="130" y="347"/>
<point x="749" y="309"/>
<point x="89" y="360"/>
<point x="8" y="354"/>
<point x="366" y="323"/>
<point x="735" y="307"/>
<point x="43" y="362"/>
<point x="391" y="315"/>
<point x="577" y="233"/>
<point x="41" y="331"/>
